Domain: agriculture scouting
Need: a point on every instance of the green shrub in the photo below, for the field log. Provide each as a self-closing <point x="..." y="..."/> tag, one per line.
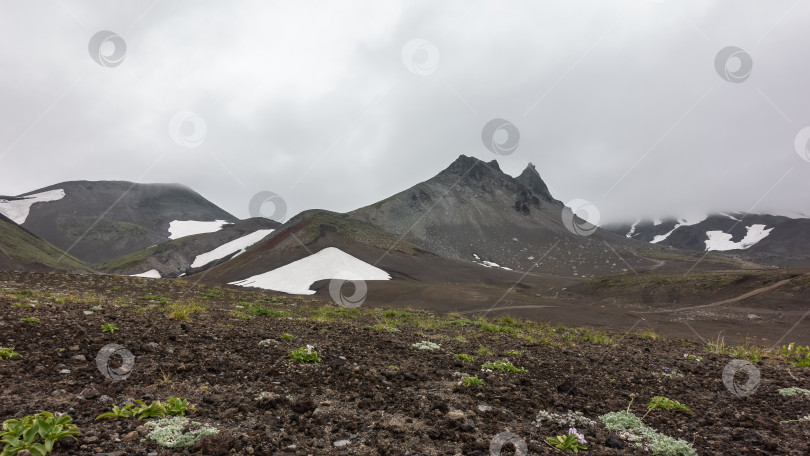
<point x="503" y="365"/>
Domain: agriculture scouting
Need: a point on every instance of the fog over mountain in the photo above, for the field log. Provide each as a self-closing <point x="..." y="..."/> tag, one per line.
<point x="619" y="103"/>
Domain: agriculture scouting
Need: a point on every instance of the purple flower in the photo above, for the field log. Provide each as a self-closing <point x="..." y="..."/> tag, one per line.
<point x="580" y="437"/>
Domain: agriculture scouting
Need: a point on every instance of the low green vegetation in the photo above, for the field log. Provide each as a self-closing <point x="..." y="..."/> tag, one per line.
<point x="287" y="336"/>
<point x="177" y="432"/>
<point x="794" y="391"/>
<point x="573" y="441"/>
<point x="502" y="365"/>
<point x="174" y="406"/>
<point x="465" y="357"/>
<point x="30" y="320"/>
<point x="642" y="435"/>
<point x="109" y="327"/>
<point x="305" y="354"/>
<point x="467" y="380"/>
<point x="426" y="345"/>
<point x="36" y="434"/>
<point x="8" y="353"/>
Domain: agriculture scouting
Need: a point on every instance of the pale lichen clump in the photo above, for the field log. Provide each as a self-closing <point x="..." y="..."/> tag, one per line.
<point x="178" y="432"/>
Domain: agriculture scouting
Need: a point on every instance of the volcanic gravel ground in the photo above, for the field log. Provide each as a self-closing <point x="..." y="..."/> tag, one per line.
<point x="355" y="402"/>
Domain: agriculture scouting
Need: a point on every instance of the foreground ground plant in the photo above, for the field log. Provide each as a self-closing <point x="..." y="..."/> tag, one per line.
<point x="8" y="353"/>
<point x="644" y="436"/>
<point x="36" y="434"/>
<point x="305" y="355"/>
<point x="174" y="406"/>
<point x="177" y="432"/>
<point x="573" y="441"/>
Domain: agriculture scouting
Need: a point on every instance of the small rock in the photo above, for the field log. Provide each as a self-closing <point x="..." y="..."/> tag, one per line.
<point x="484" y="408"/>
<point x="132" y="437"/>
<point x="90" y="439"/>
<point x="342" y="443"/>
<point x="59" y="392"/>
<point x="455" y="415"/>
<point x="23" y="453"/>
<point x="89" y="393"/>
<point x="64" y="371"/>
<point x="614" y="442"/>
<point x="73" y="348"/>
<point x="104" y="399"/>
<point x="80" y="358"/>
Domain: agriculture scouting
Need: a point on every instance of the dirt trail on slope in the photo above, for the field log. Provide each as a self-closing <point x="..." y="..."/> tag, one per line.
<point x="727" y="301"/>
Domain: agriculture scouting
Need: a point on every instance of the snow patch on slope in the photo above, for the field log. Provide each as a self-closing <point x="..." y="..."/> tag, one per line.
<point x="687" y="221"/>
<point x="632" y="229"/>
<point x="182" y="228"/>
<point x="237" y="246"/>
<point x="18" y="209"/>
<point x="298" y="276"/>
<point x="152" y="274"/>
<point x="721" y="241"/>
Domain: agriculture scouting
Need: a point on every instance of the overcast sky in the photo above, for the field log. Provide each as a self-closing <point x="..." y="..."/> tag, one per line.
<point x="336" y="105"/>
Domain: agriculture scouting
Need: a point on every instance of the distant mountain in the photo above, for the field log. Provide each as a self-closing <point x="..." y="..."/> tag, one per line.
<point x="473" y="211"/>
<point x="22" y="250"/>
<point x="104" y="220"/>
<point x="195" y="253"/>
<point x="760" y="238"/>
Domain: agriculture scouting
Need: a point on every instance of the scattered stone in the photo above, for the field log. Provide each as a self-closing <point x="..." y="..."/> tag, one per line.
<point x="456" y="415"/>
<point x="64" y="371"/>
<point x="59" y="392"/>
<point x="80" y="358"/>
<point x="104" y="399"/>
<point x="89" y="393"/>
<point x="132" y="437"/>
<point x="342" y="443"/>
<point x="484" y="408"/>
<point x="73" y="348"/>
<point x="614" y="442"/>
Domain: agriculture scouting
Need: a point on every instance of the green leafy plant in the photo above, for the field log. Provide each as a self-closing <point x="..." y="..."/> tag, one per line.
<point x="515" y="352"/>
<point x="36" y="433"/>
<point x="465" y="357"/>
<point x="663" y="403"/>
<point x="796" y="355"/>
<point x="502" y="365"/>
<point x="30" y="320"/>
<point x="470" y="380"/>
<point x="287" y="336"/>
<point x="174" y="406"/>
<point x="573" y="441"/>
<point x="305" y="355"/>
<point x="109" y="327"/>
<point x="8" y="353"/>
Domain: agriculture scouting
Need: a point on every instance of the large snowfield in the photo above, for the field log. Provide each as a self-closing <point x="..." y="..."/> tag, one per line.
<point x="18" y="209"/>
<point x="182" y="228"/>
<point x="720" y="241"/>
<point x="237" y="246"/>
<point x="298" y="276"/>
